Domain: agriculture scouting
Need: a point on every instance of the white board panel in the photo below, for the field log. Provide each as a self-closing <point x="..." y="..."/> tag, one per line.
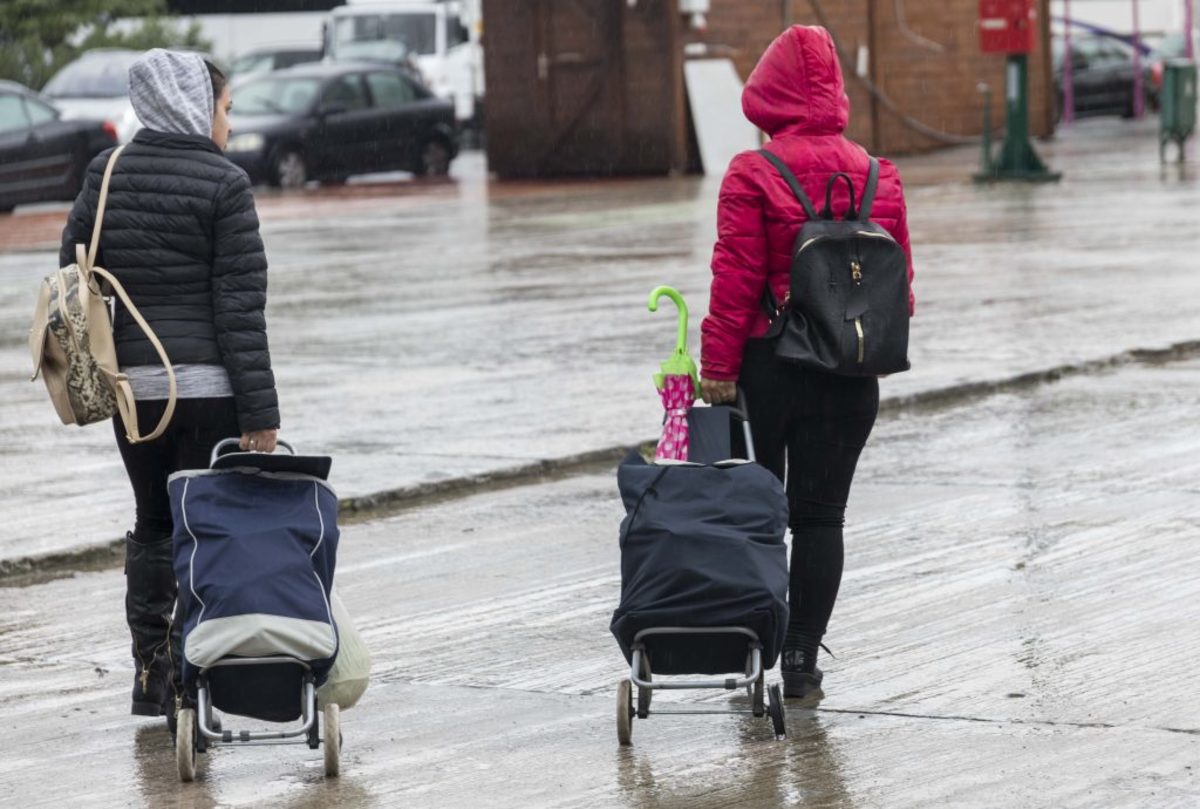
<point x="715" y="94"/>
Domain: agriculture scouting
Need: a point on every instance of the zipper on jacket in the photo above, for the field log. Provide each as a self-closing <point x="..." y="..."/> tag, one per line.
<point x="856" y="275"/>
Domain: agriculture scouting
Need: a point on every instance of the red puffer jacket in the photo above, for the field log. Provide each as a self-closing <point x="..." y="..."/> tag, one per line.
<point x="795" y="95"/>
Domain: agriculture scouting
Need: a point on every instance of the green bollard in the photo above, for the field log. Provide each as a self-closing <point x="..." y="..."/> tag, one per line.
<point x="1017" y="159"/>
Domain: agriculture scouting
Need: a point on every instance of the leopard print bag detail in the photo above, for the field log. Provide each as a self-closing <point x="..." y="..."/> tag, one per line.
<point x="72" y="340"/>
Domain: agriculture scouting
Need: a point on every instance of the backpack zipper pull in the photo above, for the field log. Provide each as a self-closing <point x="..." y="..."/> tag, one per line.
<point x="856" y="275"/>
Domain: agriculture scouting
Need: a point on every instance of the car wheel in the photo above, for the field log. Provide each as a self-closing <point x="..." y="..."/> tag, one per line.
<point x="435" y="159"/>
<point x="6" y="208"/>
<point x="1128" y="110"/>
<point x="289" y="169"/>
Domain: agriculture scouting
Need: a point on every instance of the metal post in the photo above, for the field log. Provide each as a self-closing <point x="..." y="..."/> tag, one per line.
<point x="1188" y="24"/>
<point x="1139" y="100"/>
<point x="985" y="157"/>
<point x="1068" y="100"/>
<point x="1017" y="159"/>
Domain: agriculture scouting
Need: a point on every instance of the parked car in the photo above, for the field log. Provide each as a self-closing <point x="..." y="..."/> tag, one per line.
<point x="438" y="39"/>
<point x="330" y="121"/>
<point x="42" y="156"/>
<point x="1101" y="72"/>
<point x="96" y="86"/>
<point x="268" y="59"/>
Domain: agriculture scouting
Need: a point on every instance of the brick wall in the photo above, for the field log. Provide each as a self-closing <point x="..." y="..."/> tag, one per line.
<point x="936" y="88"/>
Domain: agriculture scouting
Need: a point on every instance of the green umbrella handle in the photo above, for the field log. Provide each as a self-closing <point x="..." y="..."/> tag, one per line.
<point x="673" y="294"/>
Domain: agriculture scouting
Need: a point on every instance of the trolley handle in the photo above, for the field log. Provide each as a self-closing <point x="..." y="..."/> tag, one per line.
<point x="223" y="447"/>
<point x="742" y="411"/>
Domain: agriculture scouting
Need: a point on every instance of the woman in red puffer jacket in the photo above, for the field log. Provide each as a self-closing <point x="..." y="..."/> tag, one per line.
<point x="818" y="422"/>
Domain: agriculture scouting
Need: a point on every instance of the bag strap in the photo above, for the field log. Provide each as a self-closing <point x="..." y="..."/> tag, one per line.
<point x="851" y="214"/>
<point x="868" y="197"/>
<point x="125" y="397"/>
<point x="792" y="182"/>
<point x="126" y="403"/>
<point x="95" y="243"/>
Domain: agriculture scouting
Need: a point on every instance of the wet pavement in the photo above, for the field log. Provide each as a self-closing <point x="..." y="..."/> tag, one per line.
<point x="423" y="333"/>
<point x="1016" y="628"/>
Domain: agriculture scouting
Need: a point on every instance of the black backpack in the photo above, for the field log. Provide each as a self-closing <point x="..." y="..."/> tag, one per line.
<point x="847" y="307"/>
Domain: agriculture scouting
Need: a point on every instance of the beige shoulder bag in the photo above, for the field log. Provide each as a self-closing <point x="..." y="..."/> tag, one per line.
<point x="72" y="340"/>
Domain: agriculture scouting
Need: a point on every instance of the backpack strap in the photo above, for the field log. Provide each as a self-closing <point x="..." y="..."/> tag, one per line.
<point x="792" y="182"/>
<point x="868" y="197"/>
<point x="100" y="204"/>
<point x="125" y="400"/>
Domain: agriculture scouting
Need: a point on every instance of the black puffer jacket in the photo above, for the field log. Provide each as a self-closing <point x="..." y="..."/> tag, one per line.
<point x="181" y="235"/>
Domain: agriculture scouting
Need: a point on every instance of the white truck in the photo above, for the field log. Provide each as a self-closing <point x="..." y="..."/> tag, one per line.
<point x="440" y="38"/>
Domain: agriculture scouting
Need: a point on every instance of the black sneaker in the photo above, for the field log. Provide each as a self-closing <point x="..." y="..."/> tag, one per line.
<point x="801" y="677"/>
<point x="803" y="685"/>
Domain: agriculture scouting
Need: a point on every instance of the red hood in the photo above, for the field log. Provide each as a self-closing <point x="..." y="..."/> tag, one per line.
<point x="797" y="86"/>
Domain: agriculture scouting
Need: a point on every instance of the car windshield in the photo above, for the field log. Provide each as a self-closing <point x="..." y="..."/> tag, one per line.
<point x="414" y="33"/>
<point x="379" y="51"/>
<point x="252" y="63"/>
<point x="94" y="75"/>
<point x="275" y="96"/>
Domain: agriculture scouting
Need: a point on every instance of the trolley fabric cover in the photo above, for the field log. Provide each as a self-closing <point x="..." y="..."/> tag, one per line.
<point x="702" y="546"/>
<point x="254" y="556"/>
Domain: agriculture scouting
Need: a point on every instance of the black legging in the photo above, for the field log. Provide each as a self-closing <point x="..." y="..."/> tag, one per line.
<point x="819" y="424"/>
<point x="198" y="424"/>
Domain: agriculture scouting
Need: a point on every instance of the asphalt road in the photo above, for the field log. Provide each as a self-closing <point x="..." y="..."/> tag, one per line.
<point x="1017" y="627"/>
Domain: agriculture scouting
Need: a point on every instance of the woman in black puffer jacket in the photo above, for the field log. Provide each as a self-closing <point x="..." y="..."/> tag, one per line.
<point x="181" y="234"/>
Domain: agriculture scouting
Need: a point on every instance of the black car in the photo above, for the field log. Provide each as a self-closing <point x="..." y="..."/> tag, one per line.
<point x="327" y="122"/>
<point x="43" y="157"/>
<point x="1101" y="74"/>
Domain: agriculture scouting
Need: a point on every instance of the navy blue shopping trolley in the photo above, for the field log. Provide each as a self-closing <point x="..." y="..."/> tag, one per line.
<point x="255" y="543"/>
<point x="703" y="572"/>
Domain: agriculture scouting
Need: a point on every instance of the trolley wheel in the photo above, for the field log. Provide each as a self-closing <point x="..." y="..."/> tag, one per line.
<point x="756" y="696"/>
<point x="185" y="744"/>
<point x="333" y="740"/>
<point x="645" y="695"/>
<point x="625" y="713"/>
<point x="776" y="710"/>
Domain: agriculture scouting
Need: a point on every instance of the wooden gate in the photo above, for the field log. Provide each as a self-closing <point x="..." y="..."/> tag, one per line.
<point x="583" y="87"/>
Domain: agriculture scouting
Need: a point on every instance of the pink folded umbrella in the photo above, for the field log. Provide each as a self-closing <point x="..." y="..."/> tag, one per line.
<point x="678" y="385"/>
<point x="677" y="397"/>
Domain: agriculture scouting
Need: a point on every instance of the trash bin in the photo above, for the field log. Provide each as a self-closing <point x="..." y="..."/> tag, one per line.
<point x="1178" y="104"/>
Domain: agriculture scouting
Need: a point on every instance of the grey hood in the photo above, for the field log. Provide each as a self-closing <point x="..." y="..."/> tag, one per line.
<point x="171" y="92"/>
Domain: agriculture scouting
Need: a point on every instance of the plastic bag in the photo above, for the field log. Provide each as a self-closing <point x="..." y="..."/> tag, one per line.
<point x="352" y="667"/>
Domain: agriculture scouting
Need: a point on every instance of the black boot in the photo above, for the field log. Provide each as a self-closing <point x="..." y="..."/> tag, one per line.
<point x="149" y="603"/>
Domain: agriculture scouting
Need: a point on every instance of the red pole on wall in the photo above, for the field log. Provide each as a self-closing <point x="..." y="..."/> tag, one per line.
<point x="1068" y="76"/>
<point x="1139" y="101"/>
<point x="1188" y="23"/>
